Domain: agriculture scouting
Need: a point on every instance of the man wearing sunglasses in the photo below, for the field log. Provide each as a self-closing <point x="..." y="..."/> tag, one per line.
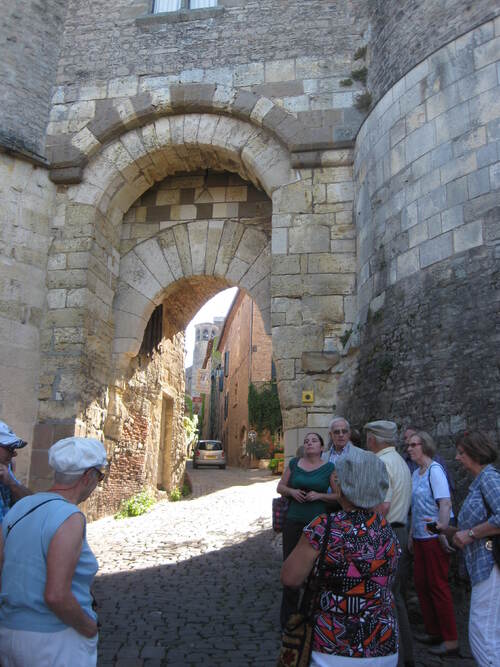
<point x="340" y="440"/>
<point x="10" y="488"/>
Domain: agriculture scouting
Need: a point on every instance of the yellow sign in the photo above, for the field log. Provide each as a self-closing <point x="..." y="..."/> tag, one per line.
<point x="308" y="396"/>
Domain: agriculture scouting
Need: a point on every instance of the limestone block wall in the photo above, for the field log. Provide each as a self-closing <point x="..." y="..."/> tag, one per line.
<point x="295" y="53"/>
<point x="405" y="32"/>
<point x="28" y="200"/>
<point x="313" y="293"/>
<point x="428" y="239"/>
<point x="30" y="36"/>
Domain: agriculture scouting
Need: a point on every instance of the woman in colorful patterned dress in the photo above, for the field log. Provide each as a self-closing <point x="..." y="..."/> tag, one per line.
<point x="354" y="612"/>
<point x="306" y="482"/>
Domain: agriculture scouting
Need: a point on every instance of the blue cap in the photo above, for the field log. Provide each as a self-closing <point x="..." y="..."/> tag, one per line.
<point x="8" y="438"/>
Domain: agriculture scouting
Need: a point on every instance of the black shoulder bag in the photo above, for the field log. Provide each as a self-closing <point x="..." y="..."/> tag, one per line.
<point x="492" y="543"/>
<point x="297" y="639"/>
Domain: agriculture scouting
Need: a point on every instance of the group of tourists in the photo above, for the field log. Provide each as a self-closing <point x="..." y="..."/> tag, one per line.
<point x="354" y="518"/>
<point x="357" y="517"/>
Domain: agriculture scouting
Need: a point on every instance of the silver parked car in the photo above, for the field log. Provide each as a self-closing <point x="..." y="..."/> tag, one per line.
<point x="209" y="453"/>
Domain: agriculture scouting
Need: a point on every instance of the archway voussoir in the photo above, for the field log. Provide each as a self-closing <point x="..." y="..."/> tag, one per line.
<point x="129" y="300"/>
<point x="86" y="142"/>
<point x="134" y="272"/>
<point x="183" y="249"/>
<point x="243" y="104"/>
<point x="107" y="123"/>
<point x="191" y="125"/>
<point x="214" y="234"/>
<point x="152" y="256"/>
<point x="168" y="245"/>
<point x="197" y="232"/>
<point x="129" y="325"/>
<point x="236" y="270"/>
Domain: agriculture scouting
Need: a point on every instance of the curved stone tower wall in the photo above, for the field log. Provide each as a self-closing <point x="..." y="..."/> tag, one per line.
<point x="30" y="37"/>
<point x="428" y="239"/>
<point x="405" y="32"/>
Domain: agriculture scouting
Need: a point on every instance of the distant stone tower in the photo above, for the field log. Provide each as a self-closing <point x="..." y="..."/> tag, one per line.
<point x="203" y="333"/>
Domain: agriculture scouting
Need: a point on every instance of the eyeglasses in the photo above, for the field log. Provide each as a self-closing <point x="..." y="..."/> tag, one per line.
<point x="11" y="449"/>
<point x="340" y="431"/>
<point x="414" y="444"/>
<point x="100" y="474"/>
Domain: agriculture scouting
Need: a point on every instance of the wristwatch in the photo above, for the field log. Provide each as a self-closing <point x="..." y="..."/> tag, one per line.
<point x="471" y="534"/>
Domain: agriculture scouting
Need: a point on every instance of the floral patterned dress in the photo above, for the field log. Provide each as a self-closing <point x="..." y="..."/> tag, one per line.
<point x="354" y="611"/>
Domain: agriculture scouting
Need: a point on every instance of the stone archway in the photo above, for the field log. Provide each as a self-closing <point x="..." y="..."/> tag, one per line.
<point x="311" y="260"/>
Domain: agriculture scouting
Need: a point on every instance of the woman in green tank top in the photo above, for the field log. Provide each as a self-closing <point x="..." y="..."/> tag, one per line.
<point x="306" y="482"/>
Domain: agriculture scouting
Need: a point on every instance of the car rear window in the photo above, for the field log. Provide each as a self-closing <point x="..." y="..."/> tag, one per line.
<point x="210" y="446"/>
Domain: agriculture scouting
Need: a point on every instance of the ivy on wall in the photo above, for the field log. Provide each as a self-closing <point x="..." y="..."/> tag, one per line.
<point x="264" y="411"/>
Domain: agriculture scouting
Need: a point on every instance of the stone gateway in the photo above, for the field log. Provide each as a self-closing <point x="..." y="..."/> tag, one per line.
<point x="339" y="162"/>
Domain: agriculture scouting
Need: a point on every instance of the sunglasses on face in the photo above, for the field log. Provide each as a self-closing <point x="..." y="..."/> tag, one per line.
<point x="340" y="431"/>
<point x="414" y="444"/>
<point x="100" y="474"/>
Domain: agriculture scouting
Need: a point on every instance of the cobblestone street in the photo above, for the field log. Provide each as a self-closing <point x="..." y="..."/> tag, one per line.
<point x="197" y="582"/>
<point x="193" y="582"/>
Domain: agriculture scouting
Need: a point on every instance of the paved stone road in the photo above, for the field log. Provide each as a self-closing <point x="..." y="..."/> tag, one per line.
<point x="197" y="582"/>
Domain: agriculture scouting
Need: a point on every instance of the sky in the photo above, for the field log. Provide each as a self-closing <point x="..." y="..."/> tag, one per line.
<point x="216" y="307"/>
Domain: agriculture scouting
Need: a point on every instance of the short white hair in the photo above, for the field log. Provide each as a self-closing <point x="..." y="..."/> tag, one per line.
<point x="339" y="419"/>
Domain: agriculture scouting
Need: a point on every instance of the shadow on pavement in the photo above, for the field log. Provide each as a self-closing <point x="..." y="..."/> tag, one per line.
<point x="218" y="608"/>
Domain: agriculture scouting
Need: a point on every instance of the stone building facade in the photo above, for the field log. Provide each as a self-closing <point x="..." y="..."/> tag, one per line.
<point x="372" y="130"/>
<point x="246" y="356"/>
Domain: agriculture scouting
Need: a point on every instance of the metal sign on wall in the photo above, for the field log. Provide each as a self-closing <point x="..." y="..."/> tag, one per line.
<point x="203" y="381"/>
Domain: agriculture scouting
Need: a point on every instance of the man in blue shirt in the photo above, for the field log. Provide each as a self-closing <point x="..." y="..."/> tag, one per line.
<point x="10" y="488"/>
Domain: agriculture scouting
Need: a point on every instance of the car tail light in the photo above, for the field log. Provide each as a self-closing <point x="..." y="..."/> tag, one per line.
<point x="222" y="453"/>
<point x="197" y="452"/>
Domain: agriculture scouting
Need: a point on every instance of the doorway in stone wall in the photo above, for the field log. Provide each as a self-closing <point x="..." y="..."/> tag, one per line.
<point x="165" y="444"/>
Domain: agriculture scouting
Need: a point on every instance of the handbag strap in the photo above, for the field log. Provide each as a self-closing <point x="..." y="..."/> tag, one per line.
<point x="319" y="568"/>
<point x="10" y="526"/>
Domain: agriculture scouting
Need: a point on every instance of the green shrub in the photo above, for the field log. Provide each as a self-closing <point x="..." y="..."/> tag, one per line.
<point x="135" y="506"/>
<point x="273" y="464"/>
<point x="186" y="490"/>
<point x="346" y="82"/>
<point x="175" y="494"/>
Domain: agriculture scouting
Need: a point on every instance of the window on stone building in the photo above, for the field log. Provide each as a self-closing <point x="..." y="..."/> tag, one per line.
<point x="226" y="405"/>
<point x="205" y="334"/>
<point x="161" y="6"/>
<point x="226" y="363"/>
<point x="153" y="332"/>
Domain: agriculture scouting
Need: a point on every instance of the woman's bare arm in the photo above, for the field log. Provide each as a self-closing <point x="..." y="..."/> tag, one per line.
<point x="299" y="563"/>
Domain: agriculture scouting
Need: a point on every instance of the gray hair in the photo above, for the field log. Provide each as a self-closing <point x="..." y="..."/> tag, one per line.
<point x="337" y="418"/>
<point x="67" y="478"/>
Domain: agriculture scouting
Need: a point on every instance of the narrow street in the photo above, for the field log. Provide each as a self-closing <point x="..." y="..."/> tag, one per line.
<point x="196" y="582"/>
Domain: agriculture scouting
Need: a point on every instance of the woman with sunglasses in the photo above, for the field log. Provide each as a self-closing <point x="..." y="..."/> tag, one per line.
<point x="47" y="567"/>
<point x="431" y="503"/>
<point x="306" y="481"/>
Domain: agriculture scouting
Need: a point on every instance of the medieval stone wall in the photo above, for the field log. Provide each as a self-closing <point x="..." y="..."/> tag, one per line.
<point x="405" y="32"/>
<point x="27" y="201"/>
<point x="30" y="35"/>
<point x="428" y="238"/>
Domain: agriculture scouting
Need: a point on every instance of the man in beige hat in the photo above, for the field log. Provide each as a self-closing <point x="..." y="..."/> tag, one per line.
<point x="381" y="437"/>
